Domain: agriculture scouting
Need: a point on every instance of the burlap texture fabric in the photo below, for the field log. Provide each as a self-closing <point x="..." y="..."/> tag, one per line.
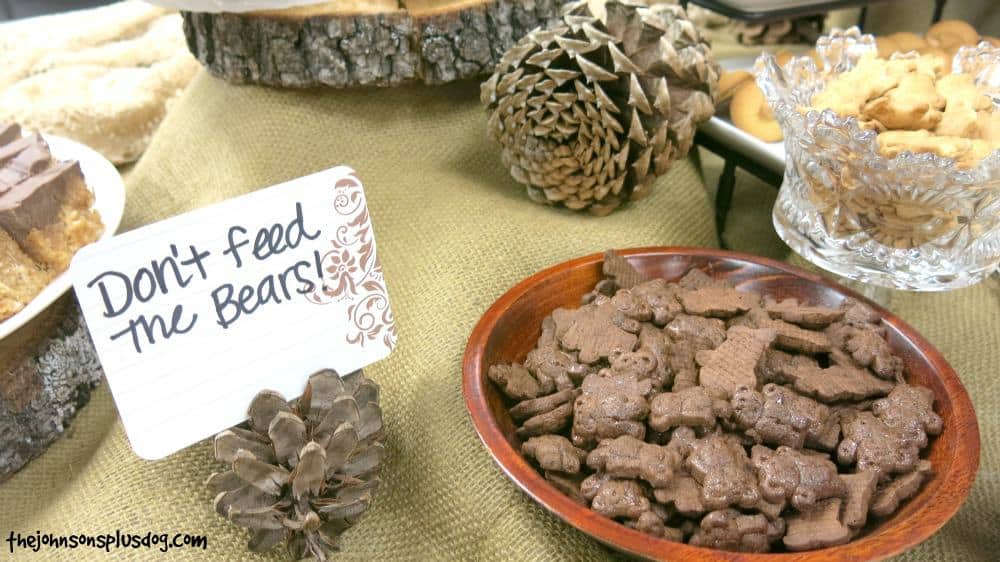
<point x="454" y="232"/>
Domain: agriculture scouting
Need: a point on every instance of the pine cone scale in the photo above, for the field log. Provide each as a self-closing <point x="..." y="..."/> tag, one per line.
<point x="370" y="421"/>
<point x="265" y="518"/>
<point x="266" y="477"/>
<point x="288" y="435"/>
<point x="264" y="407"/>
<point x="343" y="410"/>
<point x="265" y="539"/>
<point x="232" y="440"/>
<point x="343" y="510"/>
<point x="223" y="482"/>
<point x="310" y="474"/>
<point x="321" y="394"/>
<point x="361" y="464"/>
<point x="341" y="445"/>
<point x="242" y="499"/>
<point x="357" y="490"/>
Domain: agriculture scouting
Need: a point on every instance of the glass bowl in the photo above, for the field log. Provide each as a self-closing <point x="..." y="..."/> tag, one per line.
<point x="914" y="221"/>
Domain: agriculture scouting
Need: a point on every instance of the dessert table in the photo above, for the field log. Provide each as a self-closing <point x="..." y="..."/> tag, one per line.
<point x="454" y="233"/>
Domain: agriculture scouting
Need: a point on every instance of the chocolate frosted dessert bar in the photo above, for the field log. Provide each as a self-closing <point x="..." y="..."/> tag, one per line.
<point x="45" y="216"/>
<point x="45" y="205"/>
<point x="20" y="277"/>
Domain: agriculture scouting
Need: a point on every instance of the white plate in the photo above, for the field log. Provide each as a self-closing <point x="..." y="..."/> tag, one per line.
<point x="109" y="201"/>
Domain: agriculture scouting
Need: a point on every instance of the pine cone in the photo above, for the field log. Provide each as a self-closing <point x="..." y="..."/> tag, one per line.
<point x="304" y="471"/>
<point x="588" y="113"/>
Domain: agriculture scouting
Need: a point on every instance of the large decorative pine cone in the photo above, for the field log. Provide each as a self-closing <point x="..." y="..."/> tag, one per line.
<point x="305" y="471"/>
<point x="589" y="112"/>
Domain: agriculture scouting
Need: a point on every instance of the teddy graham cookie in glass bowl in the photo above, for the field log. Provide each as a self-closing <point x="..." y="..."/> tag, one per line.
<point x="893" y="173"/>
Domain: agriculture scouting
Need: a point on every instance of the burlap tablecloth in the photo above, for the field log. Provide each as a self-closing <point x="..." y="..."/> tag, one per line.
<point x="454" y="232"/>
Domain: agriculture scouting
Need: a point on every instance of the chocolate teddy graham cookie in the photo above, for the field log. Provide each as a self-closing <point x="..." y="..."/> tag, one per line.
<point x="701" y="413"/>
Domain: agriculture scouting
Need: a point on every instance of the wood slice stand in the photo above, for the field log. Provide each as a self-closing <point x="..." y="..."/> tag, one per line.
<point x="47" y="370"/>
<point x="364" y="42"/>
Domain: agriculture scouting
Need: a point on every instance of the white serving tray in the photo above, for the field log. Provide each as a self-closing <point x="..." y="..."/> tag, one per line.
<point x="769" y="5"/>
<point x="769" y="154"/>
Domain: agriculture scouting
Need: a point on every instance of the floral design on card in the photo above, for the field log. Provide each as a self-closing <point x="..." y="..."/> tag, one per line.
<point x="352" y="271"/>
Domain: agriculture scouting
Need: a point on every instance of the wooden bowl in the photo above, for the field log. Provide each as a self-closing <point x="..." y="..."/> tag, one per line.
<point x="510" y="328"/>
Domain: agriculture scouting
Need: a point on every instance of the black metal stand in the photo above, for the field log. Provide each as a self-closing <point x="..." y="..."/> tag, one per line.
<point x="763" y="16"/>
<point x="723" y="8"/>
<point x="938" y="8"/>
<point x="727" y="181"/>
<point x="724" y="197"/>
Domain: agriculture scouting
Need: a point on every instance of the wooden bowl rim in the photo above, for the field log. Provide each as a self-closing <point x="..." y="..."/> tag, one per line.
<point x="873" y="546"/>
